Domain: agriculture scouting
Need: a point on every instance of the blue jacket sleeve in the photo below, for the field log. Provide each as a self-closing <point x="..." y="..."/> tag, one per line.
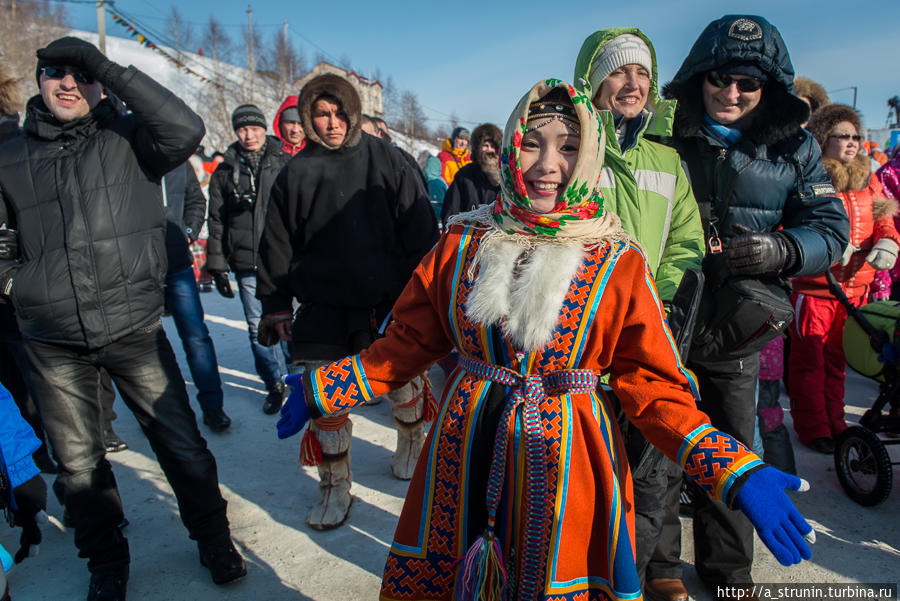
<point x="813" y="215"/>
<point x="17" y="441"/>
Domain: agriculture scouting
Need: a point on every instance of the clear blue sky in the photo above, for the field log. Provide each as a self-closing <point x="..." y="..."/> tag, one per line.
<point x="476" y="58"/>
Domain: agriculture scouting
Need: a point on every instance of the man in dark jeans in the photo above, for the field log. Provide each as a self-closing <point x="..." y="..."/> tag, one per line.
<point x="185" y="212"/>
<point x="238" y="201"/>
<point x="81" y="187"/>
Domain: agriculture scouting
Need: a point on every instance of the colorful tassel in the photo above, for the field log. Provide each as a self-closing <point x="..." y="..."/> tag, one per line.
<point x="310" y="449"/>
<point x="482" y="575"/>
<point x="431" y="403"/>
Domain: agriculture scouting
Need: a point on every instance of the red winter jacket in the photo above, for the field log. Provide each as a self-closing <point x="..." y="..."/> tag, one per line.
<point x="871" y="219"/>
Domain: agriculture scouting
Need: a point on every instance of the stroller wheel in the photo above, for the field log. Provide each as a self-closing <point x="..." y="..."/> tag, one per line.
<point x="863" y="466"/>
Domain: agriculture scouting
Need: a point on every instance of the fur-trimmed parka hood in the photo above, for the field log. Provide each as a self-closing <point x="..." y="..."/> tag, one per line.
<point x="813" y="91"/>
<point x="823" y="121"/>
<point x="485" y="131"/>
<point x="745" y="38"/>
<point x="347" y="96"/>
<point x="849" y="177"/>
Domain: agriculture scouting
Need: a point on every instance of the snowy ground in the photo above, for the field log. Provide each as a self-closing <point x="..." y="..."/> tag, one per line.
<point x="269" y="493"/>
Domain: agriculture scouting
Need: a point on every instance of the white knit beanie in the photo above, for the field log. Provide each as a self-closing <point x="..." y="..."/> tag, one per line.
<point x="625" y="49"/>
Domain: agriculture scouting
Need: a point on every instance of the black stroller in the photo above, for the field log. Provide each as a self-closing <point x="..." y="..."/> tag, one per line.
<point x="872" y="348"/>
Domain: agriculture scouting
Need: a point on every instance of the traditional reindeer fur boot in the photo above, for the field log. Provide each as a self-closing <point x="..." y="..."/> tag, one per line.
<point x="334" y="474"/>
<point x="408" y="407"/>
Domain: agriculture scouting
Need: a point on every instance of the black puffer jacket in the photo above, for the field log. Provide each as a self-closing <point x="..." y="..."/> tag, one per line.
<point x="185" y="211"/>
<point x="86" y="200"/>
<point x="774" y="175"/>
<point x="236" y="225"/>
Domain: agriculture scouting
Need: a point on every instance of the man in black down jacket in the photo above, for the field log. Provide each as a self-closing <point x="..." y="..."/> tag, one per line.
<point x="478" y="182"/>
<point x="769" y="212"/>
<point x="82" y="189"/>
<point x="238" y="200"/>
<point x="347" y="225"/>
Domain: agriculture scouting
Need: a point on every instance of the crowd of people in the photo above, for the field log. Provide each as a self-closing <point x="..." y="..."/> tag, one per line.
<point x="609" y="283"/>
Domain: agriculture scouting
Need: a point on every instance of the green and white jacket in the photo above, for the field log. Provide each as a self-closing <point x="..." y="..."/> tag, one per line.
<point x="645" y="183"/>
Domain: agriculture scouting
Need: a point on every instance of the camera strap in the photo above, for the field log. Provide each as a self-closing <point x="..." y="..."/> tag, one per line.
<point x="236" y="178"/>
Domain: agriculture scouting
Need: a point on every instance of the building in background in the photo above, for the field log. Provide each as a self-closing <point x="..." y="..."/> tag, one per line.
<point x="369" y="90"/>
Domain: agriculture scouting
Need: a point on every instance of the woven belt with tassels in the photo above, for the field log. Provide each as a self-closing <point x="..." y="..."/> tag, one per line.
<point x="483" y="574"/>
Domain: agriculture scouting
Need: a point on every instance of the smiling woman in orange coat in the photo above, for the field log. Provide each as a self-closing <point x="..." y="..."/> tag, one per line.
<point x="524" y="491"/>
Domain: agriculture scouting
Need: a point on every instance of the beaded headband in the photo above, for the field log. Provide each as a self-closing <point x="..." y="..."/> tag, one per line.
<point x="552" y="111"/>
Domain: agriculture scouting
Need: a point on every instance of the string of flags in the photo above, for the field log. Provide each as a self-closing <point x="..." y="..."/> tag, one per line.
<point x="144" y="41"/>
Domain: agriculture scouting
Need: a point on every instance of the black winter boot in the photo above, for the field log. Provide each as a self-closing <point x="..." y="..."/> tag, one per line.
<point x="108" y="585"/>
<point x="112" y="442"/>
<point x="224" y="562"/>
<point x="275" y="398"/>
<point x="216" y="419"/>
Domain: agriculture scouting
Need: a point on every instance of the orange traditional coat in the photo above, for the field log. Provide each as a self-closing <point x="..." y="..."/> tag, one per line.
<point x="611" y="321"/>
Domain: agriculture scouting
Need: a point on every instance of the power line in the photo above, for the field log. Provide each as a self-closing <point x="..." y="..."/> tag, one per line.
<point x="183" y="57"/>
<point x="327" y="54"/>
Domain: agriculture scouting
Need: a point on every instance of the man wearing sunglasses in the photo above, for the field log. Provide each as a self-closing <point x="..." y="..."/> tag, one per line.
<point x="81" y="186"/>
<point x="769" y="212"/>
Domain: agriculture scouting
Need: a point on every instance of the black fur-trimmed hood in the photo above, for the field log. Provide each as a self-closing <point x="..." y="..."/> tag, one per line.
<point x="780" y="113"/>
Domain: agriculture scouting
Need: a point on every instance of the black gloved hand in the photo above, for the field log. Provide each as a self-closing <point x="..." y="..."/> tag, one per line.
<point x="223" y="284"/>
<point x="6" y="281"/>
<point x="9" y="245"/>
<point x="759" y="253"/>
<point x="81" y="55"/>
<point x="31" y="501"/>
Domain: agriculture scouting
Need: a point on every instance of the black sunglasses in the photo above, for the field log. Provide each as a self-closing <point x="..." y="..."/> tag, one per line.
<point x="847" y="137"/>
<point x="747" y="84"/>
<point x="56" y="73"/>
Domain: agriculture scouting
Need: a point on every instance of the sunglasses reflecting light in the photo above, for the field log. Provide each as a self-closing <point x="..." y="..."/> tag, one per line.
<point x="747" y="84"/>
<point x="56" y="73"/>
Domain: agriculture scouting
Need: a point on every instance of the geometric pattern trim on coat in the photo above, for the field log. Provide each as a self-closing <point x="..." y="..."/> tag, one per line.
<point x="707" y="452"/>
<point x="588" y="480"/>
<point x="343" y="384"/>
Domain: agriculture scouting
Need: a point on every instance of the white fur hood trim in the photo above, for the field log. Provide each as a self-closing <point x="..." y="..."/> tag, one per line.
<point x="528" y="307"/>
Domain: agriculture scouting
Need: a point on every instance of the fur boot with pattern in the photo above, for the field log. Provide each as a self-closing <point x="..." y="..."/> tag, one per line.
<point x="408" y="407"/>
<point x="334" y="474"/>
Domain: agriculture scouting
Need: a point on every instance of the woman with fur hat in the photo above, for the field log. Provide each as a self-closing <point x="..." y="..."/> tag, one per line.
<point x="816" y="363"/>
<point x="540" y="292"/>
<point x="769" y="212"/>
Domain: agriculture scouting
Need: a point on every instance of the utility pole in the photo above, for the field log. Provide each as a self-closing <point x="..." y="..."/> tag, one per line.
<point x="250" y="47"/>
<point x="101" y="26"/>
<point x="845" y="89"/>
<point x="284" y="69"/>
<point x="12" y="5"/>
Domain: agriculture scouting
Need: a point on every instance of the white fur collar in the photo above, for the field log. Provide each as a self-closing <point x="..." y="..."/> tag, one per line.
<point x="527" y="307"/>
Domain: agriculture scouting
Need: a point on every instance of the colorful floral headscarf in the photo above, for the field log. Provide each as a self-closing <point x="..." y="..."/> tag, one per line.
<point x="581" y="201"/>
